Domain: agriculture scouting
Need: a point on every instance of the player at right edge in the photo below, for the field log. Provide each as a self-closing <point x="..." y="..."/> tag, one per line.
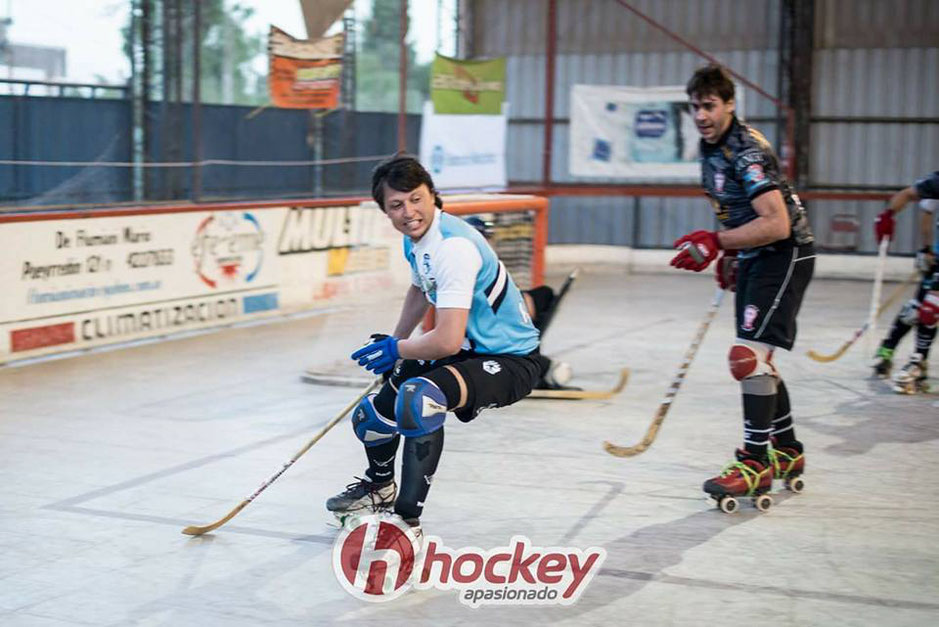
<point x="767" y="256"/>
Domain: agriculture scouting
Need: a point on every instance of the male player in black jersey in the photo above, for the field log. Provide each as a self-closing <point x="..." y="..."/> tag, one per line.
<point x="765" y="252"/>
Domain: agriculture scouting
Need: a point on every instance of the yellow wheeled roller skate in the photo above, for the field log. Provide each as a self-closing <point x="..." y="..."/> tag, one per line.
<point x="746" y="476"/>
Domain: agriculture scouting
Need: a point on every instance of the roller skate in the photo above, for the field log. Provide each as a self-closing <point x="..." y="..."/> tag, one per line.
<point x="361" y="498"/>
<point x="912" y="377"/>
<point x="883" y="362"/>
<point x="746" y="476"/>
<point x="788" y="463"/>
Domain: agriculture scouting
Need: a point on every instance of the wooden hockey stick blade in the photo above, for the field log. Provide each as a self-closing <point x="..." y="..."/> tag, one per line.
<point x="646" y="442"/>
<point x="338" y="380"/>
<point x="198" y="530"/>
<point x="897" y="292"/>
<point x="593" y="395"/>
<point x="826" y="358"/>
<point x="665" y="405"/>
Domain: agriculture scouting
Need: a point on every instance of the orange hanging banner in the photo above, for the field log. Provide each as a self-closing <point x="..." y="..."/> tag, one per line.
<point x="304" y="74"/>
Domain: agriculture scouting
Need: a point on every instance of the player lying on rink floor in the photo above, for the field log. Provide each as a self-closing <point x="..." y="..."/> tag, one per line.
<point x="767" y="255"/>
<point x="923" y="310"/>
<point x="481" y="353"/>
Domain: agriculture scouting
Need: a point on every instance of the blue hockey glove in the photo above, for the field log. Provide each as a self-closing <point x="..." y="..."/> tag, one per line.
<point x="379" y="355"/>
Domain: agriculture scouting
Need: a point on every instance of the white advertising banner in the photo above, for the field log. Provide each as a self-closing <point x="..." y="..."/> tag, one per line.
<point x="637" y="133"/>
<point x="74" y="282"/>
<point x="464" y="151"/>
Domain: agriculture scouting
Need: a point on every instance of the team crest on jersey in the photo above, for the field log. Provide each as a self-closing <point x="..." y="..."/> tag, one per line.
<point x="754" y="173"/>
<point x="719" y="182"/>
<point x="492" y="367"/>
<point x="426" y="262"/>
<point x="750" y="312"/>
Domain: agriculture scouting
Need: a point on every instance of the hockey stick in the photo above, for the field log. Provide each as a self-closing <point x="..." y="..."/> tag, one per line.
<point x="317" y="377"/>
<point x="593" y="395"/>
<point x="197" y="530"/>
<point x="653" y="430"/>
<point x="549" y="316"/>
<point x="340" y="380"/>
<point x="878" y="285"/>
<point x="897" y="292"/>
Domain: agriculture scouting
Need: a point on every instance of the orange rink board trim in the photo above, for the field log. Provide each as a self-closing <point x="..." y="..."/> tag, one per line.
<point x="76" y="279"/>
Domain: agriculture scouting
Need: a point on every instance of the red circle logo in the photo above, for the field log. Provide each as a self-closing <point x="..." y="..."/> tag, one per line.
<point x="374" y="557"/>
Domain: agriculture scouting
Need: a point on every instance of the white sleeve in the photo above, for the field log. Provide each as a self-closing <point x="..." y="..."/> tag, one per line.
<point x="458" y="262"/>
<point x="928" y="205"/>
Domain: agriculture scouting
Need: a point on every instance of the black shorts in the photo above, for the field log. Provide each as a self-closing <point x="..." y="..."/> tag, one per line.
<point x="491" y="381"/>
<point x="770" y="287"/>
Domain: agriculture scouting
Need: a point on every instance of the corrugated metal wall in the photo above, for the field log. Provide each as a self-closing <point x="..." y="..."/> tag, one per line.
<point x="599" y="42"/>
<point x="875" y="83"/>
<point x="875" y="106"/>
<point x="518" y="27"/>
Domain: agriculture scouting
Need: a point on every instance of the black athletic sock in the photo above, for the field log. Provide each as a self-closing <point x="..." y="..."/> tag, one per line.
<point x="897" y="330"/>
<point x="783" y="429"/>
<point x="418" y="465"/>
<point x="381" y="460"/>
<point x="759" y="408"/>
<point x="924" y="337"/>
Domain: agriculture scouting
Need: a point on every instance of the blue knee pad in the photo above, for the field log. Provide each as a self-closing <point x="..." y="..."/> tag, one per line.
<point x="421" y="407"/>
<point x="370" y="426"/>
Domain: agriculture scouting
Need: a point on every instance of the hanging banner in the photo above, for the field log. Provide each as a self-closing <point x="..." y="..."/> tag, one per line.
<point x="633" y="133"/>
<point x="464" y="151"/>
<point x="304" y="74"/>
<point x="467" y="87"/>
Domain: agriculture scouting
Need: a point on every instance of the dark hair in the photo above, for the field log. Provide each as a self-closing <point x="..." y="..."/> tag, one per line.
<point x="711" y="80"/>
<point x="401" y="172"/>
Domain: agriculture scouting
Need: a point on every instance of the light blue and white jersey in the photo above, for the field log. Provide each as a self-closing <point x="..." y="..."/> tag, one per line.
<point x="456" y="268"/>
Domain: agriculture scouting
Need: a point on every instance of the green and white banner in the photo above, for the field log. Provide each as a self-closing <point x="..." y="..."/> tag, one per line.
<point x="467" y="87"/>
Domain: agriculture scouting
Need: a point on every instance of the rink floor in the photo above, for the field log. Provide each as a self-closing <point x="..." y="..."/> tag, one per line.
<point x="105" y="457"/>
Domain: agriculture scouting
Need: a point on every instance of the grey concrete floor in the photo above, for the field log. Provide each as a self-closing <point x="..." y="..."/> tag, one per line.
<point x="105" y="457"/>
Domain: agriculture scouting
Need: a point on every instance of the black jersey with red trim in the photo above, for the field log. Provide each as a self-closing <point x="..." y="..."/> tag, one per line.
<point x="740" y="167"/>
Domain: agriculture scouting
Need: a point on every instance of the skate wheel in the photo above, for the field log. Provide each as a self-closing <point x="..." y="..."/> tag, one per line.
<point x="728" y="504"/>
<point x="763" y="502"/>
<point x="796" y="484"/>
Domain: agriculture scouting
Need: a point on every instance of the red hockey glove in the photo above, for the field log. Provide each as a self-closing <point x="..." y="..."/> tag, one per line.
<point x="884" y="225"/>
<point x="929" y="309"/>
<point x="725" y="270"/>
<point x="696" y="250"/>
